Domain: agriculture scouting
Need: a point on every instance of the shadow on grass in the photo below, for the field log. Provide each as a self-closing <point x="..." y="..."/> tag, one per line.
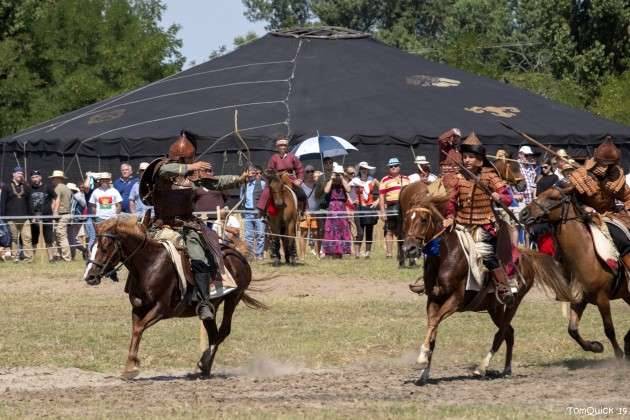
<point x="490" y="376"/>
<point x="191" y="376"/>
<point x="584" y="363"/>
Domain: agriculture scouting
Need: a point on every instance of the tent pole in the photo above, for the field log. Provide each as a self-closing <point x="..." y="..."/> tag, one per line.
<point x="25" y="163"/>
<point x="76" y="155"/>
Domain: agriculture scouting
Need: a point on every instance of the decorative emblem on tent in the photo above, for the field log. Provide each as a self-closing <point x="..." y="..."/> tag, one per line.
<point x="497" y="111"/>
<point x="431" y="81"/>
<point x="105" y="116"/>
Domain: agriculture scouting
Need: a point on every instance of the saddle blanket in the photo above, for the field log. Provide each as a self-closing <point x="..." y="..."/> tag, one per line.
<point x="173" y="242"/>
<point x="604" y="245"/>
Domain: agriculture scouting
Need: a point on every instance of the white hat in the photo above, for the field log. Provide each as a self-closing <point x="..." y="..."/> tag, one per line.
<point x="337" y="169"/>
<point x="103" y="175"/>
<point x="57" y="174"/>
<point x="421" y="160"/>
<point x="365" y="165"/>
<point x="526" y="150"/>
<point x="563" y="153"/>
<point x="143" y="166"/>
<point x="72" y="186"/>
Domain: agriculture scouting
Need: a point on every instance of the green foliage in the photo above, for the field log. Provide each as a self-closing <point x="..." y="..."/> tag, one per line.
<point x="244" y="39"/>
<point x="614" y="101"/>
<point x="59" y="55"/>
<point x="572" y="51"/>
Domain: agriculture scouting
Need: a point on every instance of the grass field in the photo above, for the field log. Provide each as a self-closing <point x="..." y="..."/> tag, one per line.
<point x="339" y="341"/>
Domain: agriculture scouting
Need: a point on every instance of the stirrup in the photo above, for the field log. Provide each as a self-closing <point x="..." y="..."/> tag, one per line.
<point x="417" y="287"/>
<point x="504" y="294"/>
<point x="205" y="316"/>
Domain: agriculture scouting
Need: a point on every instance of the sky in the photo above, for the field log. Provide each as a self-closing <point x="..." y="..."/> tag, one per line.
<point x="208" y="24"/>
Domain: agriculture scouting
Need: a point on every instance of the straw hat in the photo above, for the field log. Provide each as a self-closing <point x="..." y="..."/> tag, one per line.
<point x="421" y="160"/>
<point x="57" y="174"/>
<point x="365" y="165"/>
<point x="72" y="186"/>
<point x="103" y="175"/>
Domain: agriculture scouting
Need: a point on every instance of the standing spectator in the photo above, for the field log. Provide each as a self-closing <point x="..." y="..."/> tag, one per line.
<point x="309" y="225"/>
<point x="320" y="195"/>
<point x="423" y="171"/>
<point x="136" y="205"/>
<point x="547" y="177"/>
<point x="337" y="235"/>
<point x="105" y="201"/>
<point x="5" y="233"/>
<point x="87" y="188"/>
<point x="43" y="199"/>
<point x="366" y="188"/>
<point x="353" y="202"/>
<point x="64" y="201"/>
<point x="77" y="208"/>
<point x="17" y="203"/>
<point x="529" y="170"/>
<point x="124" y="184"/>
<point x="389" y="191"/>
<point x="254" y="226"/>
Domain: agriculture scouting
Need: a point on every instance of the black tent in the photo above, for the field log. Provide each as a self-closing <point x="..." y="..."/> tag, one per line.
<point x="331" y="81"/>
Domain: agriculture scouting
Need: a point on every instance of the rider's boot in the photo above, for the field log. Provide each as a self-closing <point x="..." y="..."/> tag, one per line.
<point x="504" y="292"/>
<point x="626" y="261"/>
<point x="417" y="286"/>
<point x="203" y="289"/>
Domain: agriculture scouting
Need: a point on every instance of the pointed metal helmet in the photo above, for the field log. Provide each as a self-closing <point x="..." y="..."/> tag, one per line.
<point x="472" y="144"/>
<point x="184" y="147"/>
<point x="607" y="153"/>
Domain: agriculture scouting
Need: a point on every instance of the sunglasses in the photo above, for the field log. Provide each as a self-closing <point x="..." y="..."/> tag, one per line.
<point x="394" y="166"/>
<point x="309" y="172"/>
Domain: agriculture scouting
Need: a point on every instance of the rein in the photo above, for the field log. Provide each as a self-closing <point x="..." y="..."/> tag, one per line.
<point x="126" y="259"/>
<point x="431" y="213"/>
<point x="565" y="202"/>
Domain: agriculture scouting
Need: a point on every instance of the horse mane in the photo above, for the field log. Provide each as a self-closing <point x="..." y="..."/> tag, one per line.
<point x="122" y="223"/>
<point x="422" y="195"/>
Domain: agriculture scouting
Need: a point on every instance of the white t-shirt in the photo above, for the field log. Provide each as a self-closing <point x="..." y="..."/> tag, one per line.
<point x="313" y="205"/>
<point x="105" y="201"/>
<point x="416" y="177"/>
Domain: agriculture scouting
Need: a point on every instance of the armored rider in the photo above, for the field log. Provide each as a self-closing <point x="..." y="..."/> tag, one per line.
<point x="598" y="184"/>
<point x="470" y="206"/>
<point x="448" y="143"/>
<point x="169" y="185"/>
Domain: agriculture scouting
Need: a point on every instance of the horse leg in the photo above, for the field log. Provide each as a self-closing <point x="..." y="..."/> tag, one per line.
<point x="603" y="304"/>
<point x="577" y="309"/>
<point x="505" y="332"/>
<point x="275" y="251"/>
<point x="435" y="315"/>
<point x="139" y="324"/>
<point x="509" y="347"/>
<point x="205" y="363"/>
<point x="626" y="339"/>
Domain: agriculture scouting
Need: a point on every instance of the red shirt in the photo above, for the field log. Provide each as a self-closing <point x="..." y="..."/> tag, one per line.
<point x="287" y="162"/>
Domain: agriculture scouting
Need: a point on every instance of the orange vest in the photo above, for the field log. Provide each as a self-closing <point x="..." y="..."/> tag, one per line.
<point x="474" y="206"/>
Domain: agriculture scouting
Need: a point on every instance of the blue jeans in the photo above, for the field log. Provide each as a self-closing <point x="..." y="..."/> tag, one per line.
<point x="254" y="233"/>
<point x="91" y="232"/>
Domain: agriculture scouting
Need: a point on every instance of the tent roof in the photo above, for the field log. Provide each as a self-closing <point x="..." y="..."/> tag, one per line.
<point x="351" y="86"/>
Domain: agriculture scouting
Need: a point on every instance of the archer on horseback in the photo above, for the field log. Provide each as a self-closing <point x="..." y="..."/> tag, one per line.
<point x="470" y="205"/>
<point x="169" y="184"/>
<point x="597" y="185"/>
<point x="287" y="166"/>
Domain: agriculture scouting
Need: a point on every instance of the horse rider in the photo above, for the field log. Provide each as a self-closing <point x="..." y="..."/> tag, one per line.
<point x="283" y="162"/>
<point x="598" y="184"/>
<point x="170" y="183"/>
<point x="448" y="143"/>
<point x="470" y="206"/>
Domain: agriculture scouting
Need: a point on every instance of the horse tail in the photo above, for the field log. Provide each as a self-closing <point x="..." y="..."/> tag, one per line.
<point x="547" y="274"/>
<point x="253" y="303"/>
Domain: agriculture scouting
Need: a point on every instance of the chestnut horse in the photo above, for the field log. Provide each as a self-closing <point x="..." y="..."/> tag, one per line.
<point x="153" y="285"/>
<point x="282" y="217"/>
<point x="445" y="277"/>
<point x="578" y="257"/>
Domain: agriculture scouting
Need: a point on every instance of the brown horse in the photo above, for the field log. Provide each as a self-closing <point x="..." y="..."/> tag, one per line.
<point x="283" y="221"/>
<point x="445" y="277"/>
<point x="153" y="285"/>
<point x="581" y="263"/>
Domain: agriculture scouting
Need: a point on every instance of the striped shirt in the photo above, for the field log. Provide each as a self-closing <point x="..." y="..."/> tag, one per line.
<point x="390" y="187"/>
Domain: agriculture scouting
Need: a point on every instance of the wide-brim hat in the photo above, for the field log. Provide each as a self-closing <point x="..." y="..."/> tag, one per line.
<point x="337" y="169"/>
<point x="72" y="186"/>
<point x="282" y="141"/>
<point x="526" y="150"/>
<point x="421" y="160"/>
<point x="143" y="166"/>
<point x="57" y="174"/>
<point x="103" y="175"/>
<point x="364" y="164"/>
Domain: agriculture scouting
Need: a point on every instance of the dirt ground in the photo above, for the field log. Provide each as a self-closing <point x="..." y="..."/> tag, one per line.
<point x="268" y="388"/>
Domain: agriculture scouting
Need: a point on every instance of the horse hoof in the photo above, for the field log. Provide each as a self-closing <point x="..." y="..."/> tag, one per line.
<point x="424" y="378"/>
<point x="596" y="347"/>
<point x="128" y="375"/>
<point x="507" y="373"/>
<point x="479" y="373"/>
<point x="275" y="263"/>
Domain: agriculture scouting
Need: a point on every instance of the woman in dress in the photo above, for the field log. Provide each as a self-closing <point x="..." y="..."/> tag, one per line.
<point x="337" y="235"/>
<point x="366" y="188"/>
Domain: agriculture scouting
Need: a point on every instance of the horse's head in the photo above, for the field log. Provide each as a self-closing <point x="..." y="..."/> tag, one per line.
<point x="420" y="218"/>
<point x="107" y="251"/>
<point x="551" y="206"/>
<point x="276" y="188"/>
<point x="510" y="172"/>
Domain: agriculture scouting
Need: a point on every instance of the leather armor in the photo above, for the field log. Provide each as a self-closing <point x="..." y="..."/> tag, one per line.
<point x="474" y="205"/>
<point x="601" y="194"/>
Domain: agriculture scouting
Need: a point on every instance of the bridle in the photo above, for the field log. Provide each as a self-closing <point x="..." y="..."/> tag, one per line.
<point x="103" y="266"/>
<point x="421" y="238"/>
<point x="565" y="201"/>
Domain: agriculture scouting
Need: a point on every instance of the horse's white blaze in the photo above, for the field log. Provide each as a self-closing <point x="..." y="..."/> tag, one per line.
<point x="423" y="356"/>
<point x="486" y="361"/>
<point x="92" y="256"/>
<point x="413" y="215"/>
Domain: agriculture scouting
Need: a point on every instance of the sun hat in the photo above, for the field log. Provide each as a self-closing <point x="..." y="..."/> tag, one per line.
<point x="282" y="141"/>
<point x="103" y="175"/>
<point x="364" y="164"/>
<point x="526" y="150"/>
<point x="421" y="160"/>
<point x="72" y="186"/>
<point x="57" y="174"/>
<point x="143" y="166"/>
<point x="393" y="161"/>
<point x="337" y="169"/>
